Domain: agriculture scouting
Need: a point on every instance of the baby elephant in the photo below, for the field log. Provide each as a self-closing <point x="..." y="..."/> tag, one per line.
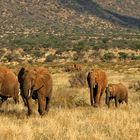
<point x="118" y="92"/>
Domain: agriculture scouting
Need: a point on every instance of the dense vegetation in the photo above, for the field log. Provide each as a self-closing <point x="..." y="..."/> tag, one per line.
<point x="69" y="24"/>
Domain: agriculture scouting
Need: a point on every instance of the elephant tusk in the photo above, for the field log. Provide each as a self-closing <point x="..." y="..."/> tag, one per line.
<point x="29" y="93"/>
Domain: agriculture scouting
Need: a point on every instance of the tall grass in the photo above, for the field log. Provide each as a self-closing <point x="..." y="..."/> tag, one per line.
<point x="71" y="117"/>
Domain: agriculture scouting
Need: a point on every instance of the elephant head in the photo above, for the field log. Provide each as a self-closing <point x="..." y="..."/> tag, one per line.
<point x="93" y="84"/>
<point x="29" y="82"/>
<point x="94" y="79"/>
<point x="109" y="93"/>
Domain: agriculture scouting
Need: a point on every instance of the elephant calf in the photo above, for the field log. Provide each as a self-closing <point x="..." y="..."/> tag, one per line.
<point x="118" y="92"/>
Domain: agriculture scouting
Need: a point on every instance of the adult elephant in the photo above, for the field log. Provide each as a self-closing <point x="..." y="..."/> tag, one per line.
<point x="97" y="81"/>
<point x="36" y="83"/>
<point x="8" y="85"/>
<point x="118" y="92"/>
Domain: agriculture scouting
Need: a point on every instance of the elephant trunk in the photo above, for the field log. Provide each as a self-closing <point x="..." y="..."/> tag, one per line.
<point x="91" y="93"/>
<point x="94" y="85"/>
<point x="107" y="95"/>
<point x="27" y="92"/>
<point x="90" y="84"/>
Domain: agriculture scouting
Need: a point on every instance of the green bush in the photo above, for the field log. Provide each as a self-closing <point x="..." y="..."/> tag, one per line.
<point x="137" y="57"/>
<point x="105" y="40"/>
<point x="50" y="58"/>
<point x="108" y="56"/>
<point x="123" y="55"/>
<point x="80" y="46"/>
<point x="133" y="56"/>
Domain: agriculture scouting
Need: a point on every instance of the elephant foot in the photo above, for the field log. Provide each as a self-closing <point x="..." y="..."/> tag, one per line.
<point x="41" y="112"/>
<point x="30" y="113"/>
<point x="96" y="105"/>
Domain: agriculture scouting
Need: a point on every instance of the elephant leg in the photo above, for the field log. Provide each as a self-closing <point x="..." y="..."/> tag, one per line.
<point x="28" y="101"/>
<point x="109" y="103"/>
<point x="47" y="104"/>
<point x="24" y="100"/>
<point x="116" y="102"/>
<point x="16" y="95"/>
<point x="41" y="104"/>
<point x="3" y="100"/>
<point x="91" y="96"/>
<point x="97" y="97"/>
<point x="94" y="94"/>
<point x="126" y="100"/>
<point x="16" y="99"/>
<point x="95" y="90"/>
<point x="100" y="98"/>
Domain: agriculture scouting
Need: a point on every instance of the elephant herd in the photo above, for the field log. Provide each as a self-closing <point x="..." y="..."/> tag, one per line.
<point x="98" y="84"/>
<point x="37" y="84"/>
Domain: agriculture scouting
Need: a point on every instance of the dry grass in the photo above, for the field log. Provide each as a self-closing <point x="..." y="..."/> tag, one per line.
<point x="72" y="118"/>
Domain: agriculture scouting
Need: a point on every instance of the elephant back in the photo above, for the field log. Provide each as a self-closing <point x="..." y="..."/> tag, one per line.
<point x="118" y="88"/>
<point x="100" y="76"/>
<point x="44" y="80"/>
<point x="45" y="75"/>
<point x="8" y="82"/>
<point x="42" y="70"/>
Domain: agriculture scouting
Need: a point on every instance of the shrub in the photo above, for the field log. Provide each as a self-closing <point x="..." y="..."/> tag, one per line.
<point x="123" y="55"/>
<point x="133" y="56"/>
<point x="68" y="98"/>
<point x="78" y="79"/>
<point x="80" y="46"/>
<point x="105" y="40"/>
<point x="108" y="56"/>
<point x="137" y="57"/>
<point x="37" y="53"/>
<point x="50" y="58"/>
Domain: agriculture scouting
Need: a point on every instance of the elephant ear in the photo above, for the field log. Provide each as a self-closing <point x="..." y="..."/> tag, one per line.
<point x="38" y="83"/>
<point x="41" y="80"/>
<point x="20" y="75"/>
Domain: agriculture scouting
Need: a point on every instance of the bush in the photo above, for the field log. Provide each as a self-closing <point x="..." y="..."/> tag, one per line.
<point x="105" y="40"/>
<point x="137" y="57"/>
<point x="123" y="55"/>
<point x="50" y="58"/>
<point x="80" y="46"/>
<point x="108" y="56"/>
<point x="78" y="79"/>
<point x="37" y="53"/>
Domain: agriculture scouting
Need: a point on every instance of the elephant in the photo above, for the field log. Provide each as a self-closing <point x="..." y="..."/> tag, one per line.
<point x="8" y="85"/>
<point x="36" y="83"/>
<point x="97" y="81"/>
<point x="118" y="92"/>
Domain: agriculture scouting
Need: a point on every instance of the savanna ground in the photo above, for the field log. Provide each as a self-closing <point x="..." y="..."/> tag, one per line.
<point x="71" y="117"/>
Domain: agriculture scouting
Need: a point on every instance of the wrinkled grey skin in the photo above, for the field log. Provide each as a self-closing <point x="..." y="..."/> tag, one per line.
<point x="118" y="92"/>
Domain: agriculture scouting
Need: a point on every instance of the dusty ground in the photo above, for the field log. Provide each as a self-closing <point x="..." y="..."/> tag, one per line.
<point x="71" y="117"/>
